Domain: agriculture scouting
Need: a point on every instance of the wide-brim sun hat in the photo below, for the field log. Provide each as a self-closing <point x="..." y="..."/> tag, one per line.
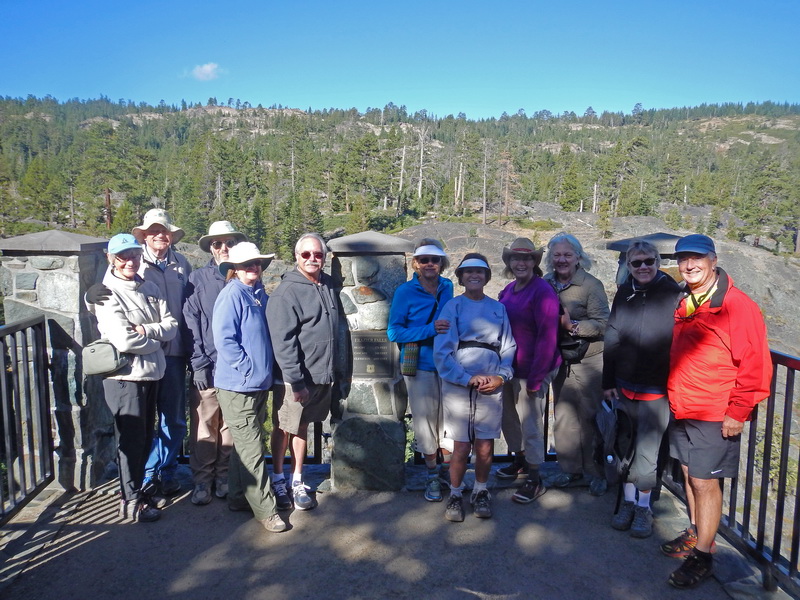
<point x="157" y="216"/>
<point x="121" y="242"/>
<point x="695" y="244"/>
<point x="429" y="250"/>
<point x="220" y="229"/>
<point x="242" y="253"/>
<point x="522" y="246"/>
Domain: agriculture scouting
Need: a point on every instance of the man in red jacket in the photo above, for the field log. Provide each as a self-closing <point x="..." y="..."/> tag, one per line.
<point x="720" y="368"/>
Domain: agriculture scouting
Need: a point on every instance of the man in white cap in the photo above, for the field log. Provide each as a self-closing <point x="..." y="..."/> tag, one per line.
<point x="169" y="270"/>
<point x="210" y="440"/>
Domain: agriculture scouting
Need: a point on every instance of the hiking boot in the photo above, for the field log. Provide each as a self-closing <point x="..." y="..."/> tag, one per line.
<point x="624" y="518"/>
<point x="455" y="509"/>
<point x="144" y="513"/>
<point x="565" y="480"/>
<point x="642" y="525"/>
<point x="513" y="470"/>
<point x="529" y="492"/>
<point x="683" y="545"/>
<point x="201" y="494"/>
<point x="274" y="524"/>
<point x="221" y="487"/>
<point x="481" y="505"/>
<point x="433" y="489"/>
<point x="170" y="487"/>
<point x="598" y="486"/>
<point x="283" y="500"/>
<point x="693" y="570"/>
<point x="302" y="501"/>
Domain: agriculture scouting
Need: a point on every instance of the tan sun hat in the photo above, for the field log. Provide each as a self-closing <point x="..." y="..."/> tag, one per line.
<point x="244" y="252"/>
<point x="522" y="246"/>
<point x="157" y="216"/>
<point x="220" y="229"/>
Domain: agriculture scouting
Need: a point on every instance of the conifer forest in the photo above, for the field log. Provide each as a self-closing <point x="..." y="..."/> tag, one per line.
<point x="96" y="166"/>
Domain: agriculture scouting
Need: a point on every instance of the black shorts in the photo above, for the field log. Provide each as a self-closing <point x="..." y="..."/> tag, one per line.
<point x="700" y="446"/>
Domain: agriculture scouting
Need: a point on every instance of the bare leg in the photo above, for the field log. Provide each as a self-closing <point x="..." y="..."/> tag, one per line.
<point x="298" y="450"/>
<point x="278" y="444"/>
<point x="458" y="463"/>
<point x="689" y="496"/>
<point x="483" y="459"/>
<point x="708" y="510"/>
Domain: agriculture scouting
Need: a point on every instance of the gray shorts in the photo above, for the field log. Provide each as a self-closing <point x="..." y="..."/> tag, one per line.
<point x="700" y="446"/>
<point x="470" y="415"/>
<point x="290" y="415"/>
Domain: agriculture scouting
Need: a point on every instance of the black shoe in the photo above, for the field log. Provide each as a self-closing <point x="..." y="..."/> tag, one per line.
<point x="694" y="569"/>
<point x="514" y="470"/>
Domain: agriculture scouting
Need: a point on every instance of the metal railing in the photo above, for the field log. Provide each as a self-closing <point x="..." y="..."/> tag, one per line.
<point x="761" y="508"/>
<point x="26" y="455"/>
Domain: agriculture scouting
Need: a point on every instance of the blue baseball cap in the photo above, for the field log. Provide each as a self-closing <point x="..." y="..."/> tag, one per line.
<point x="121" y="242"/>
<point x="696" y="244"/>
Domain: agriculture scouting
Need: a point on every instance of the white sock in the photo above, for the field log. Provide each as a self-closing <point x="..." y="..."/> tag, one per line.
<point x="630" y="492"/>
<point x="644" y="499"/>
<point x="456" y="491"/>
<point x="478" y="487"/>
<point x="297" y="478"/>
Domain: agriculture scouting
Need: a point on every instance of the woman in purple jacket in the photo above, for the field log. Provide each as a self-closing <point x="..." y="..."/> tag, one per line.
<point x="532" y="307"/>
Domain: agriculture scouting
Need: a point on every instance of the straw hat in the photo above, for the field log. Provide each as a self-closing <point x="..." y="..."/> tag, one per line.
<point x="220" y="229"/>
<point x="522" y="246"/>
<point x="157" y="216"/>
<point x="244" y="252"/>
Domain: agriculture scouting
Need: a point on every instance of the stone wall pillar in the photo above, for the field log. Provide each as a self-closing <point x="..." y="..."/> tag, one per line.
<point x="48" y="273"/>
<point x="370" y="403"/>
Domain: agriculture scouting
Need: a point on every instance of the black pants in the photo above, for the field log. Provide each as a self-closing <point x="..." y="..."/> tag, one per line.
<point x="133" y="404"/>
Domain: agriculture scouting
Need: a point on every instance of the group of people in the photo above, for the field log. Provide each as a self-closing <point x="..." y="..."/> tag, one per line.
<point x="688" y="361"/>
<point x="237" y="343"/>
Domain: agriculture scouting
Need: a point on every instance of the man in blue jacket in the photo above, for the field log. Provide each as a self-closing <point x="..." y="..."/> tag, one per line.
<point x="209" y="439"/>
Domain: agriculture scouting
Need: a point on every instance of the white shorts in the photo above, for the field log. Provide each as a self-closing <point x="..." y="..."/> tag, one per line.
<point x="470" y="415"/>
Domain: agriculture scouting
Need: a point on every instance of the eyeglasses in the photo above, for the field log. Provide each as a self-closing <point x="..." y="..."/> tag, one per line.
<point x="424" y="260"/>
<point x="647" y="261"/>
<point x="217" y="244"/>
<point x="127" y="257"/>
<point x="306" y="255"/>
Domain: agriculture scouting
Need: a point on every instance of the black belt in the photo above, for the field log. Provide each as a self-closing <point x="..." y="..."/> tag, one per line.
<point x="483" y="345"/>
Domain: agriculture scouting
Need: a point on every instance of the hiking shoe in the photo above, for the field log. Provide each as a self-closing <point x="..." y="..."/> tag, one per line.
<point x="433" y="490"/>
<point x="564" y="480"/>
<point x="642" y="525"/>
<point x="512" y="471"/>
<point x="201" y="494"/>
<point x="152" y="494"/>
<point x="693" y="570"/>
<point x="481" y="506"/>
<point x="302" y="500"/>
<point x="283" y="500"/>
<point x="221" y="487"/>
<point x="170" y="487"/>
<point x="529" y="492"/>
<point x="274" y="524"/>
<point x="598" y="486"/>
<point x="624" y="518"/>
<point x="144" y="513"/>
<point x="455" y="509"/>
<point x="683" y="545"/>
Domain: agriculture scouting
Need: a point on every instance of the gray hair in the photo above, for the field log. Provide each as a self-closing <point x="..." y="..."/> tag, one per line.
<point x="583" y="259"/>
<point x="314" y="236"/>
<point x="444" y="262"/>
<point x="639" y="246"/>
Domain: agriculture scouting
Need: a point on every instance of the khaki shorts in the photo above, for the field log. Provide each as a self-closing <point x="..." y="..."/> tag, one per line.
<point x="290" y="415"/>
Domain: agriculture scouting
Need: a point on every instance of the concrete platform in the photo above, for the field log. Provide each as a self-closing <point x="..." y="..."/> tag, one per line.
<point x="354" y="545"/>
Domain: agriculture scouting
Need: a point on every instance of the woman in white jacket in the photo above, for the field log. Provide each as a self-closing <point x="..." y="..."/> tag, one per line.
<point x="136" y="320"/>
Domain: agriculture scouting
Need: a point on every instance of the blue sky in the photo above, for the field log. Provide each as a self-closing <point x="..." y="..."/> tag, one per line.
<point x="480" y="58"/>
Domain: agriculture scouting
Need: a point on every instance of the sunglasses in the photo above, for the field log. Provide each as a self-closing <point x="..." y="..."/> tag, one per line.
<point x="127" y="257"/>
<point x="647" y="261"/>
<point x="250" y="264"/>
<point x="217" y="244"/>
<point x="306" y="255"/>
<point x="424" y="260"/>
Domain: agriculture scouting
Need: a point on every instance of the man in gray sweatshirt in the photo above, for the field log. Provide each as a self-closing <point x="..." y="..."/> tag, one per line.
<point x="303" y="317"/>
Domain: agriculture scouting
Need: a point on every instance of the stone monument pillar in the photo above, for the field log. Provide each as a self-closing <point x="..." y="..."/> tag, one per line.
<point x="48" y="273"/>
<point x="369" y="438"/>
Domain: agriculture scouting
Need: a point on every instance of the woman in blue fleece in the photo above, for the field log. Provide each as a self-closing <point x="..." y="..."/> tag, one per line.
<point x="243" y="376"/>
<point x="414" y="317"/>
